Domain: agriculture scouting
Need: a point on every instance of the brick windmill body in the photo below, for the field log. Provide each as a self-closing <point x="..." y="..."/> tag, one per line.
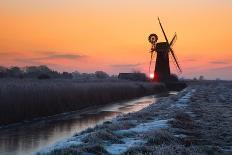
<point x="162" y="49"/>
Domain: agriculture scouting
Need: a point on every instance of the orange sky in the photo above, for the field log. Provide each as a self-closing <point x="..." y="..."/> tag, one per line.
<point x="111" y="35"/>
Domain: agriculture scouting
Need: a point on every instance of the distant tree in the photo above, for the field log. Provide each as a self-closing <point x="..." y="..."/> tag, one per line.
<point x="76" y="75"/>
<point x="101" y="75"/>
<point x="85" y="76"/>
<point x="2" y="68"/>
<point x="132" y="76"/>
<point x="114" y="76"/>
<point x="67" y="75"/>
<point x="44" y="72"/>
<point x="182" y="78"/>
<point x="35" y="71"/>
<point x="31" y="69"/>
<point x="201" y="77"/>
<point x="173" y="78"/>
<point x="136" y="71"/>
<point x="3" y="72"/>
<point x="44" y="68"/>
<point x="15" y="72"/>
<point x="38" y="69"/>
<point x="43" y="76"/>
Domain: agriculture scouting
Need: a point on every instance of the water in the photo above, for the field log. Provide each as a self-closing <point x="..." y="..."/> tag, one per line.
<point x="30" y="137"/>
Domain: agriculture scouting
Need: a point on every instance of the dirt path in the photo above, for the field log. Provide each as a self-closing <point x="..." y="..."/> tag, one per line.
<point x="196" y="121"/>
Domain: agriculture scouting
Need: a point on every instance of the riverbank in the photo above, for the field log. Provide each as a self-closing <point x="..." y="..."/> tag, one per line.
<point x="196" y="121"/>
<point x="27" y="99"/>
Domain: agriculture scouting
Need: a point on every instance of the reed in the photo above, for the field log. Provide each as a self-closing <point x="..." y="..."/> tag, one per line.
<point x="25" y="99"/>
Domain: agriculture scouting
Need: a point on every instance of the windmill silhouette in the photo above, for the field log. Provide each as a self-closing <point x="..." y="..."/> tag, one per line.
<point x="162" y="49"/>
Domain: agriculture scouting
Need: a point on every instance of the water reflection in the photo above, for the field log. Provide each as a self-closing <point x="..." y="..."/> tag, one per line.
<point x="29" y="138"/>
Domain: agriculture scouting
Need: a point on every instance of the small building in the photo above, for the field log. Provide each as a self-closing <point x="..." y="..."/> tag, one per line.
<point x="133" y="76"/>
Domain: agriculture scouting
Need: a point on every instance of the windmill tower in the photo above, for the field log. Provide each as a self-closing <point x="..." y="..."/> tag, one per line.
<point x="162" y="50"/>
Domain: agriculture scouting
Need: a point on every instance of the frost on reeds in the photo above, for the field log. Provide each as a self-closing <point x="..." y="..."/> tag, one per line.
<point x="176" y="150"/>
<point x="172" y="149"/>
<point x="101" y="136"/>
<point x="182" y="120"/>
<point x="28" y="99"/>
<point x="159" y="137"/>
<point x="89" y="149"/>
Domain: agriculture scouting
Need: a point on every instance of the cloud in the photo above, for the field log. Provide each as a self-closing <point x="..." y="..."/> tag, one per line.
<point x="42" y="58"/>
<point x="41" y="55"/>
<point x="223" y="69"/>
<point x="60" y="56"/>
<point x="7" y="54"/>
<point x="3" y="53"/>
<point x="190" y="59"/>
<point x="29" y="62"/>
<point x="125" y="65"/>
<point x="218" y="62"/>
<point x="66" y="56"/>
<point x="48" y="56"/>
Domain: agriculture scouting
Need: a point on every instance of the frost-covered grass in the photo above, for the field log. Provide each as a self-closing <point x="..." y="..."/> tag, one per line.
<point x="196" y="121"/>
<point x="182" y="120"/>
<point x="101" y="136"/>
<point x="164" y="149"/>
<point x="25" y="99"/>
<point x="159" y="137"/>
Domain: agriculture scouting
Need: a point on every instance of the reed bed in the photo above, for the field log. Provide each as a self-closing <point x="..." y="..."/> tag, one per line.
<point x="25" y="99"/>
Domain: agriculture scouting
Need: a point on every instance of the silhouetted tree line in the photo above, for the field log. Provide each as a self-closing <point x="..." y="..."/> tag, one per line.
<point x="40" y="72"/>
<point x="43" y="72"/>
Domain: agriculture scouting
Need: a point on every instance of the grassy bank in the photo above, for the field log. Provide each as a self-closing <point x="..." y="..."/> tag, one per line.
<point x="27" y="99"/>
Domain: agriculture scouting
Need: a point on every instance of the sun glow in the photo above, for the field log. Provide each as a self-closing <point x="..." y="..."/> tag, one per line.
<point x="151" y="75"/>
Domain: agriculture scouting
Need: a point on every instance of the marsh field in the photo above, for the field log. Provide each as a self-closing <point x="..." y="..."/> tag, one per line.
<point x="28" y="99"/>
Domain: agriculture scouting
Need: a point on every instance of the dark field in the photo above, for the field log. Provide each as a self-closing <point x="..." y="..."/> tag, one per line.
<point x="25" y="99"/>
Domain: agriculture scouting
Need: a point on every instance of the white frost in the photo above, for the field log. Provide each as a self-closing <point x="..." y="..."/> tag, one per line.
<point x="182" y="102"/>
<point x="144" y="127"/>
<point x="121" y="148"/>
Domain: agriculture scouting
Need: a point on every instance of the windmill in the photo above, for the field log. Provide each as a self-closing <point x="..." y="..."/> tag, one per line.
<point x="162" y="50"/>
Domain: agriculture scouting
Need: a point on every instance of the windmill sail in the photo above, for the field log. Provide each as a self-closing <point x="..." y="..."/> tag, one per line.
<point x="175" y="60"/>
<point x="173" y="40"/>
<point x="163" y="31"/>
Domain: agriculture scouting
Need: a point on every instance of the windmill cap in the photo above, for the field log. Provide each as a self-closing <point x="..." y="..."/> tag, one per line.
<point x="161" y="46"/>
